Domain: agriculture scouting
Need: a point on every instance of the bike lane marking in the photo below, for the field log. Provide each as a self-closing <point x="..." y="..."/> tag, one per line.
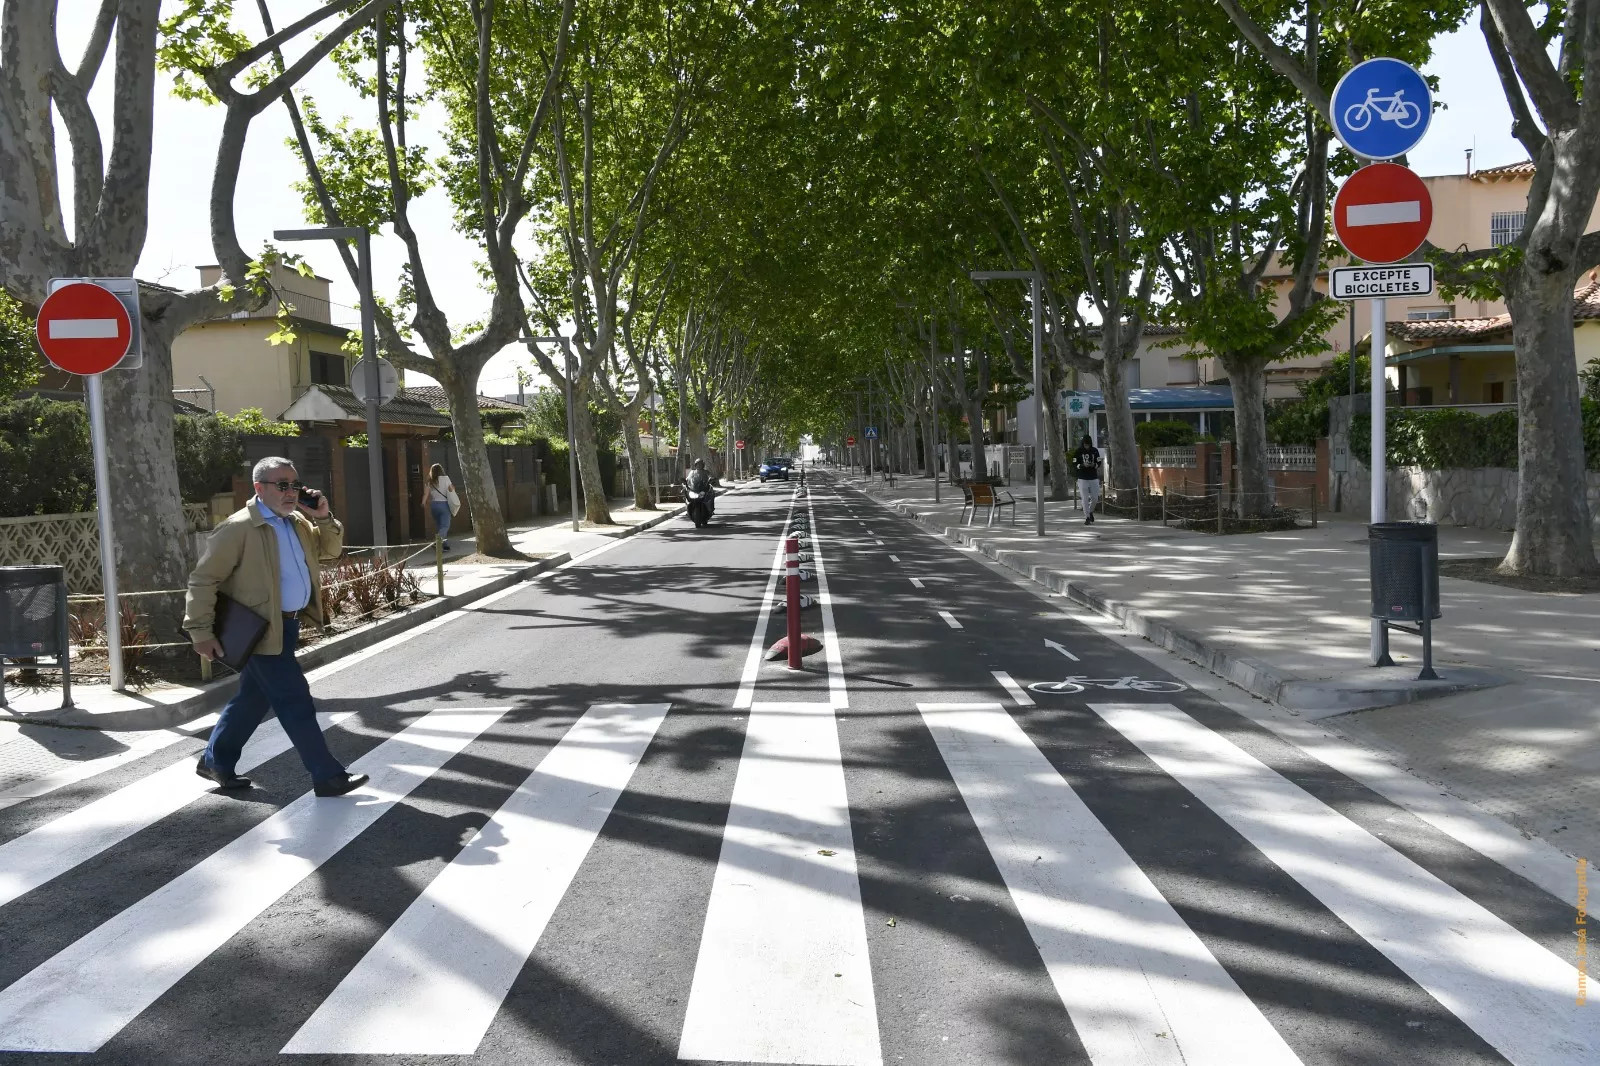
<point x="918" y="583"/>
<point x="950" y="620"/>
<point x="752" y="661"/>
<point x="1510" y="990"/>
<point x="1138" y="983"/>
<point x="894" y="558"/>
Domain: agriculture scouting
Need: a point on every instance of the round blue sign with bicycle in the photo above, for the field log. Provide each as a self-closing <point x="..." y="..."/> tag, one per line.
<point x="1381" y="108"/>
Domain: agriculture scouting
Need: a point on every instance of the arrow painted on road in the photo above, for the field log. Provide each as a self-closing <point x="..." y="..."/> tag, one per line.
<point x="1052" y="644"/>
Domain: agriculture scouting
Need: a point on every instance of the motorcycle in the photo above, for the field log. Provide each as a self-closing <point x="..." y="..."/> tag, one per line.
<point x="699" y="504"/>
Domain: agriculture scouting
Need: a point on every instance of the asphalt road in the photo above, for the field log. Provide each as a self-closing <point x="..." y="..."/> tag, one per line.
<point x="602" y="830"/>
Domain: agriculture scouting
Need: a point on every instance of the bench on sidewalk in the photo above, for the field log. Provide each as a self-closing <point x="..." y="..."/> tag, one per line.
<point x="982" y="494"/>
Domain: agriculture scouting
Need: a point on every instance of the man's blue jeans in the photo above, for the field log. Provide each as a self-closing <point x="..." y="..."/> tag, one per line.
<point x="276" y="681"/>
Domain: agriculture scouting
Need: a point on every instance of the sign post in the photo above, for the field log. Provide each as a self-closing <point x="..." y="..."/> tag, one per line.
<point x="85" y="329"/>
<point x="1381" y="109"/>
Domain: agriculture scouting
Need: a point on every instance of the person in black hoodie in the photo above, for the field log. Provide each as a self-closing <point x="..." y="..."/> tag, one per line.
<point x="1086" y="468"/>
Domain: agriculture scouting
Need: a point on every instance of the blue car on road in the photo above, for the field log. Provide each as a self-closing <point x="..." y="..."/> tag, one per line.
<point x="775" y="467"/>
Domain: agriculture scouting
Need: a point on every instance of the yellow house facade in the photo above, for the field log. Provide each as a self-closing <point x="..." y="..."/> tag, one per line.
<point x="230" y="364"/>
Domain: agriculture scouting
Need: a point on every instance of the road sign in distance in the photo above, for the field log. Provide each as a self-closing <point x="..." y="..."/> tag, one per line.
<point x="849" y="442"/>
<point x="1382" y="213"/>
<point x="388" y="380"/>
<point x="1381" y="108"/>
<point x="739" y="444"/>
<point x="872" y="432"/>
<point x="1401" y="279"/>
<point x="84" y="329"/>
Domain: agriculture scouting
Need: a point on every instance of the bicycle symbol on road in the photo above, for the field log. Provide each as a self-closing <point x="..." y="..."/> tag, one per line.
<point x="1079" y="682"/>
<point x="1394" y="108"/>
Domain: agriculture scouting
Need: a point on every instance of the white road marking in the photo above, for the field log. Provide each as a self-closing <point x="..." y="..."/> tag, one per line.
<point x="82" y="329"/>
<point x="838" y="692"/>
<point x="49" y="851"/>
<point x="1052" y="644"/>
<point x="918" y="583"/>
<point x="1510" y="990"/>
<point x="86" y="993"/>
<point x="785" y="911"/>
<point x="752" y="659"/>
<point x="1139" y="985"/>
<point x="1022" y="698"/>
<point x="879" y="543"/>
<point x="950" y="620"/>
<point x="1383" y="214"/>
<point x="894" y="558"/>
<point x="435" y="980"/>
<point x="138" y="747"/>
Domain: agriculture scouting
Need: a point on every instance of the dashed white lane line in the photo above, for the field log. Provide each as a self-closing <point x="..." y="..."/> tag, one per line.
<point x="894" y="558"/>
<point x="879" y="543"/>
<point x="950" y="620"/>
<point x="1022" y="698"/>
<point x="918" y="582"/>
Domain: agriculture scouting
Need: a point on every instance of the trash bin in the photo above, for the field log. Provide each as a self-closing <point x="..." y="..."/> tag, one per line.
<point x="33" y="621"/>
<point x="1405" y="570"/>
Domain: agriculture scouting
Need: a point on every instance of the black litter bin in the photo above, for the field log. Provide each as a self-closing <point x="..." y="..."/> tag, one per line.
<point x="1404" y="559"/>
<point x="33" y="621"/>
<point x="1405" y="570"/>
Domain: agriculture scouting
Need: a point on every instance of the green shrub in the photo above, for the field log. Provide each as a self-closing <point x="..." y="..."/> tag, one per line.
<point x="209" y="454"/>
<point x="46" y="463"/>
<point x="1449" y="439"/>
<point x="20" y="362"/>
<point x="1164" y="434"/>
<point x="252" y="421"/>
<point x="1589" y="380"/>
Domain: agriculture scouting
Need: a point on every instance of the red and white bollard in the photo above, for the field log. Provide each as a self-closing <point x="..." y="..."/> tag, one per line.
<point x="791" y="562"/>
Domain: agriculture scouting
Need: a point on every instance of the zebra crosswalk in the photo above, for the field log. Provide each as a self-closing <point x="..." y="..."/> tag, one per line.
<point x="785" y="970"/>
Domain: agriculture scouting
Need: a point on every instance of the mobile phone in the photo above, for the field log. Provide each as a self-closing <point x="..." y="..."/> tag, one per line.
<point x="310" y="498"/>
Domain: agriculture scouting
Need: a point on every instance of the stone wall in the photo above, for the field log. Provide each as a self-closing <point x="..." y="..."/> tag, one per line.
<point x="1484" y="498"/>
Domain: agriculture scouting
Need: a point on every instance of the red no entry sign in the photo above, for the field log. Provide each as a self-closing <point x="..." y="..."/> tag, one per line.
<point x="849" y="442"/>
<point x="739" y="444"/>
<point x="84" y="329"/>
<point x="1382" y="213"/>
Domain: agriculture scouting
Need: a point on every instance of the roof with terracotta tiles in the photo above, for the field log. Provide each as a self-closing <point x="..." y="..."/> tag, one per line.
<point x="434" y="396"/>
<point x="1508" y="172"/>
<point x="1585" y="307"/>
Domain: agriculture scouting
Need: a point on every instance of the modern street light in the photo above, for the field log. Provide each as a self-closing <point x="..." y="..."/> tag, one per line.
<point x="369" y="352"/>
<point x="1036" y="280"/>
<point x="572" y="428"/>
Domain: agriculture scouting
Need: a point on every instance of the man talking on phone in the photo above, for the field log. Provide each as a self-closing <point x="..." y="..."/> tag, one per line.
<point x="267" y="558"/>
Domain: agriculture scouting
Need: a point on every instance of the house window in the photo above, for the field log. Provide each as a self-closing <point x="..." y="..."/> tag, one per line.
<point x="1430" y="314"/>
<point x="1181" y="371"/>
<point x="1130" y="375"/>
<point x="1505" y="227"/>
<point x="327" y="369"/>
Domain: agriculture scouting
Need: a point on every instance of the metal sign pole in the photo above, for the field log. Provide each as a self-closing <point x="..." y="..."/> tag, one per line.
<point x="572" y="436"/>
<point x="933" y="376"/>
<point x="1380" y="494"/>
<point x="108" y="543"/>
<point x="369" y="351"/>
<point x="1038" y="410"/>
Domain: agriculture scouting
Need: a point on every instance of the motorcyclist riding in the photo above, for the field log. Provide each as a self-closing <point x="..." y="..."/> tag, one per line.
<point x="699" y="480"/>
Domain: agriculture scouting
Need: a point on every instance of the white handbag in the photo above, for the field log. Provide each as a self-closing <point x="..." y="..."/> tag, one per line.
<point x="455" y="501"/>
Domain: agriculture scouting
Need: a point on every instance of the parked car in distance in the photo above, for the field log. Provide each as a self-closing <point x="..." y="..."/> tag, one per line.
<point x="775" y="467"/>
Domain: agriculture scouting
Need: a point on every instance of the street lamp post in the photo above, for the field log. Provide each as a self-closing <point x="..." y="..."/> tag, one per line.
<point x="1035" y="279"/>
<point x="572" y="427"/>
<point x="369" y="352"/>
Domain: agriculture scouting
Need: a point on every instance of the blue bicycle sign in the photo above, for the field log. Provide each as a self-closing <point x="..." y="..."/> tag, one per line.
<point x="1381" y="108"/>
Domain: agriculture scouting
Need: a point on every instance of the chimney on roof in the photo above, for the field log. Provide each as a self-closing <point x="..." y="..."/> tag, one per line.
<point x="1469" y="162"/>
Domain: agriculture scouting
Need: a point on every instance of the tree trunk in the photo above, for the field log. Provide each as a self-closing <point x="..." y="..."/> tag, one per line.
<point x="152" y="538"/>
<point x="930" y="462"/>
<point x="638" y="461"/>
<point x="980" y="461"/>
<point x="1248" y="377"/>
<point x="595" y="509"/>
<point x="1122" y="462"/>
<point x="1555" y="534"/>
<point x="477" y="480"/>
<point x="698" y="446"/>
<point x="1055" y="448"/>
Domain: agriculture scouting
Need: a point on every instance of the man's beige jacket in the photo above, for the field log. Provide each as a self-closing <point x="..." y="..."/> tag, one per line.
<point x="241" y="561"/>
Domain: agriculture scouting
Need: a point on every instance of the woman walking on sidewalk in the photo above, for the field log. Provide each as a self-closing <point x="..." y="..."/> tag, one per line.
<point x="442" y="501"/>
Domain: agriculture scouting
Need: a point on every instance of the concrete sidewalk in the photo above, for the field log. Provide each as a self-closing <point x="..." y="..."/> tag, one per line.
<point x="548" y="543"/>
<point x="1514" y="725"/>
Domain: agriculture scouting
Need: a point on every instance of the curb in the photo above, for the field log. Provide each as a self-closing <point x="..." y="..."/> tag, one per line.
<point x="1254" y="676"/>
<point x="215" y="692"/>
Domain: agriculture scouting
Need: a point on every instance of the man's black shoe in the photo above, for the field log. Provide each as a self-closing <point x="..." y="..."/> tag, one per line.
<point x="222" y="780"/>
<point x="338" y="786"/>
